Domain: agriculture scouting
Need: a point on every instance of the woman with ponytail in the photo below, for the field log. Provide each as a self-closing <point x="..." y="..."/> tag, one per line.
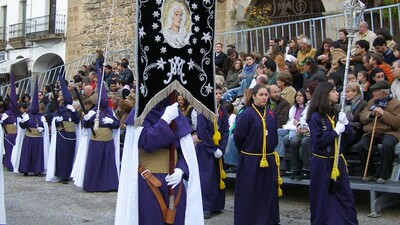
<point x="331" y="198"/>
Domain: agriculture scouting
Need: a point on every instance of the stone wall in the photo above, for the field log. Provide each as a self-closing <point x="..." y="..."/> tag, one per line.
<point x="88" y="24"/>
<point x="228" y="22"/>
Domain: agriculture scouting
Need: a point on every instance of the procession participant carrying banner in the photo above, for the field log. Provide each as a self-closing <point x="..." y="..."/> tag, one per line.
<point x="174" y="52"/>
<point x="175" y="40"/>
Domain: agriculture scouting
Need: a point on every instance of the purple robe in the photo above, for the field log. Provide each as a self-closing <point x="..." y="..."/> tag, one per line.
<point x="159" y="130"/>
<point x="256" y="188"/>
<point x="9" y="139"/>
<point x="213" y="197"/>
<point x="329" y="208"/>
<point x="32" y="155"/>
<point x="65" y="148"/>
<point x="100" y="171"/>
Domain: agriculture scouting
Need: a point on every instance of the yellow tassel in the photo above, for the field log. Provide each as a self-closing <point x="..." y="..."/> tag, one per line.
<point x="217" y="134"/>
<point x="222" y="173"/>
<point x="335" y="173"/>
<point x="280" y="181"/>
<point x="221" y="185"/>
<point x="216" y="137"/>
<point x="263" y="163"/>
<point x="280" y="193"/>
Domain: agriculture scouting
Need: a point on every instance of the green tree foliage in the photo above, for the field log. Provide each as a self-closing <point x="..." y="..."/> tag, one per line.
<point x="257" y="16"/>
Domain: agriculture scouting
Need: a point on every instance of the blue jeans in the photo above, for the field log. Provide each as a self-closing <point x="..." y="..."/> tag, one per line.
<point x="231" y="156"/>
<point x="280" y="148"/>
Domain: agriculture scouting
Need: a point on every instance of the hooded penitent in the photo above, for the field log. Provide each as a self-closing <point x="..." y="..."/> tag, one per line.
<point x="34" y="109"/>
<point x="67" y="98"/>
<point x="13" y="95"/>
<point x="102" y="92"/>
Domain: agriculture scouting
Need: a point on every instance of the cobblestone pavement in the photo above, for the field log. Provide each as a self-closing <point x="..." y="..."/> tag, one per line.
<point x="32" y="201"/>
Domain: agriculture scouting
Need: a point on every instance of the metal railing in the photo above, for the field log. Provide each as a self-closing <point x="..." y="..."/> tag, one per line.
<point x="50" y="24"/>
<point x="257" y="39"/>
<point x="67" y="71"/>
<point x="17" y="30"/>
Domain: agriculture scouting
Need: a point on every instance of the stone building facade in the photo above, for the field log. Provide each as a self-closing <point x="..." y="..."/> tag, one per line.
<point x="88" y="24"/>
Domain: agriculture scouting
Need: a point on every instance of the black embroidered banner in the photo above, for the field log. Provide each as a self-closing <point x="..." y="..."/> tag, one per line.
<point x="175" y="40"/>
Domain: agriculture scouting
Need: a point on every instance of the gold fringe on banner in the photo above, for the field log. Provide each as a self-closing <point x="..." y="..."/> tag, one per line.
<point x="175" y="86"/>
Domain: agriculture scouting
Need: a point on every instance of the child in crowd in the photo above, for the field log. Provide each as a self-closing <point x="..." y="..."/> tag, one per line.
<point x="351" y="77"/>
<point x="363" y="78"/>
<point x="396" y="52"/>
<point x="259" y="70"/>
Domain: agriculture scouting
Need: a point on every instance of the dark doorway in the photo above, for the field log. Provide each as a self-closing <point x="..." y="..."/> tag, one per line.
<point x="52" y="16"/>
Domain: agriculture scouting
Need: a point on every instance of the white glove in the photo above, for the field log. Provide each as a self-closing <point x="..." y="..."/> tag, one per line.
<point x="58" y="118"/>
<point x="3" y="117"/>
<point x="89" y="115"/>
<point x="107" y="120"/>
<point x="171" y="112"/>
<point x="70" y="107"/>
<point x="339" y="128"/>
<point x="343" y="118"/>
<point x="25" y="118"/>
<point x="218" y="154"/>
<point x="175" y="178"/>
<point x="40" y="129"/>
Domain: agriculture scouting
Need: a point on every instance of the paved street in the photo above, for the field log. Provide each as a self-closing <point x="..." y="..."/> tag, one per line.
<point x="32" y="201"/>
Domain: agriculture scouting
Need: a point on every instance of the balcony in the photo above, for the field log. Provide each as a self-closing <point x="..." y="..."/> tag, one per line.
<point x="45" y="27"/>
<point x="17" y="35"/>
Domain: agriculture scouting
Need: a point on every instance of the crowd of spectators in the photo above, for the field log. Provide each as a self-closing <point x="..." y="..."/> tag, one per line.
<point x="291" y="73"/>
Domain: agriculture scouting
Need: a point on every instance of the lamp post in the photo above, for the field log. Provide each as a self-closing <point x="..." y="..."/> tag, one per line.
<point x="353" y="13"/>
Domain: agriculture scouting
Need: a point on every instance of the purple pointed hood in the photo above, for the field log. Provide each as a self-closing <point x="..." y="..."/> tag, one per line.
<point x="101" y="89"/>
<point x="67" y="98"/>
<point x="13" y="94"/>
<point x="34" y="108"/>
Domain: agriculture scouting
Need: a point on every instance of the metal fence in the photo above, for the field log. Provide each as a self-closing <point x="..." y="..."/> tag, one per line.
<point x="17" y="30"/>
<point x="257" y="39"/>
<point x="67" y="71"/>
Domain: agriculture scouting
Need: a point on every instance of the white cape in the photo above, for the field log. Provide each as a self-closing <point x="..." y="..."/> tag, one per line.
<point x="127" y="202"/>
<point x="19" y="140"/>
<point x="78" y="170"/>
<point x="51" y="164"/>
<point x="2" y="205"/>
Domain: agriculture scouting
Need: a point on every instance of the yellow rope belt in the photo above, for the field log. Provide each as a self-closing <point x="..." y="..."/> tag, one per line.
<point x="256" y="154"/>
<point x="277" y="162"/>
<point x="330" y="157"/>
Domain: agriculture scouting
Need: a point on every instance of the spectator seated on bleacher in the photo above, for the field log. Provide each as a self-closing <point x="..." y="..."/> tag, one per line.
<point x="289" y="129"/>
<point x="387" y="112"/>
<point x="381" y="47"/>
<point x="364" y="33"/>
<point x="353" y="106"/>
<point x="306" y="51"/>
<point x="246" y="77"/>
<point x="232" y="78"/>
<point x="395" y="87"/>
<point x="312" y="71"/>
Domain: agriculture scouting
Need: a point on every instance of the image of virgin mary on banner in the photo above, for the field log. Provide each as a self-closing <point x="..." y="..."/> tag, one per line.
<point x="175" y="42"/>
